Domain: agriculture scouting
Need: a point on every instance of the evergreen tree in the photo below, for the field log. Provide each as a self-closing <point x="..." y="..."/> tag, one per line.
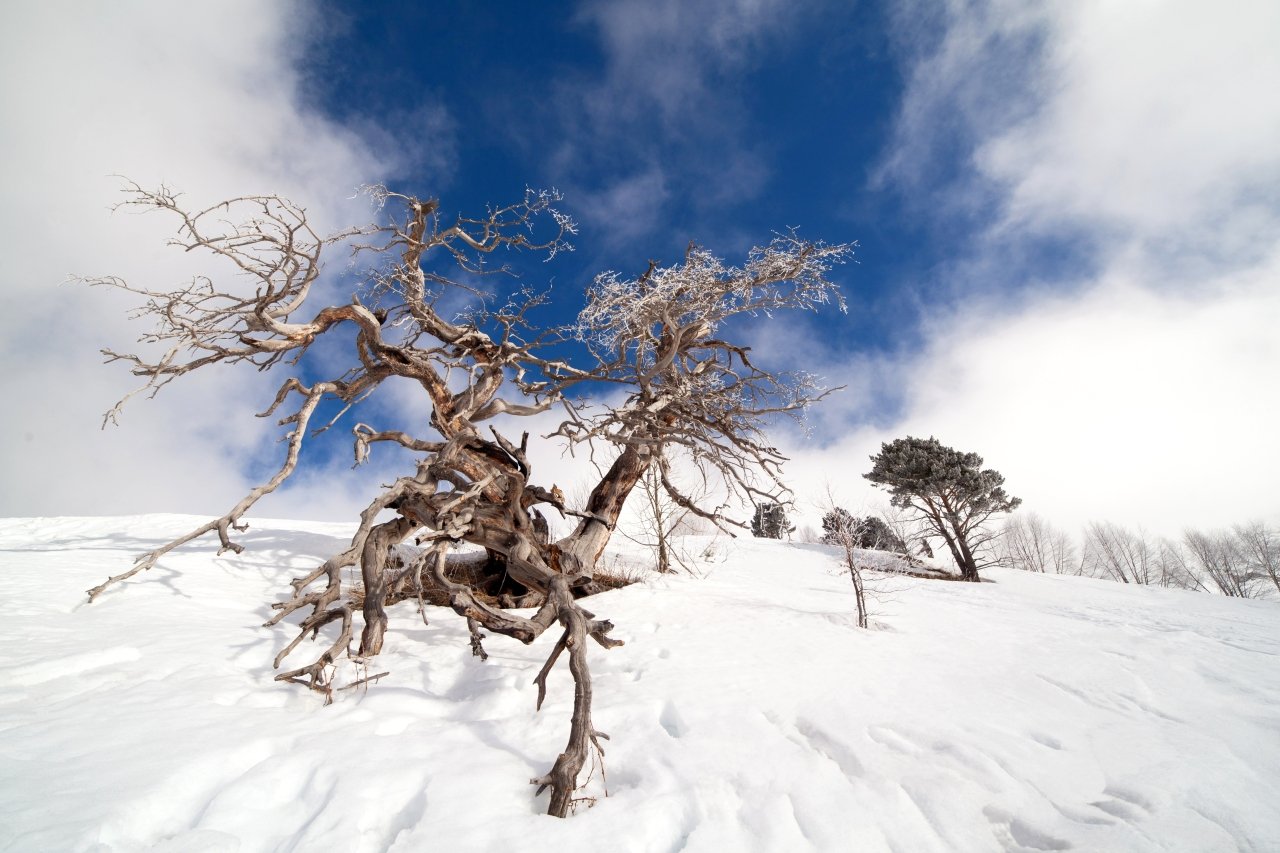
<point x="870" y="533"/>
<point x="770" y="521"/>
<point x="838" y="524"/>
<point x="878" y="536"/>
<point x="951" y="490"/>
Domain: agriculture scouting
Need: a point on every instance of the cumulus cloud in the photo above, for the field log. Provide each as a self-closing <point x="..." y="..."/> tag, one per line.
<point x="1162" y="117"/>
<point x="209" y="100"/>
<point x="1135" y="385"/>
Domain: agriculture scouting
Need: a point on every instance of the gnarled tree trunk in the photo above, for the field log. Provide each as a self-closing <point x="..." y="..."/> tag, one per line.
<point x="653" y="336"/>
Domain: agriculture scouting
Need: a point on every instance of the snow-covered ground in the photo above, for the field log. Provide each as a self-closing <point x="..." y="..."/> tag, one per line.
<point x="747" y="712"/>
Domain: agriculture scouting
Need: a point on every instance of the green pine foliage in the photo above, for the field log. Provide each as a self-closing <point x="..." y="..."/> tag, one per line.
<point x="770" y="522"/>
<point x="870" y="532"/>
<point x="949" y="488"/>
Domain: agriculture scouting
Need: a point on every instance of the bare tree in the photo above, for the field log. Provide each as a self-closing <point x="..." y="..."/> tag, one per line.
<point x="908" y="527"/>
<point x="1174" y="567"/>
<point x="1031" y="543"/>
<point x="846" y="531"/>
<point x="1261" y="544"/>
<point x="1240" y="563"/>
<point x="654" y="336"/>
<point x="1115" y="552"/>
<point x="1226" y="558"/>
<point x="660" y="522"/>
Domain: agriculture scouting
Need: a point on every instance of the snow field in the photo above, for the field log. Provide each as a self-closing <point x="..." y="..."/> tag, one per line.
<point x="747" y="712"/>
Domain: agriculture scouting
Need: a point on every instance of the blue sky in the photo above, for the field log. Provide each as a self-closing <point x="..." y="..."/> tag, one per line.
<point x="658" y="128"/>
<point x="663" y="123"/>
<point x="1067" y="213"/>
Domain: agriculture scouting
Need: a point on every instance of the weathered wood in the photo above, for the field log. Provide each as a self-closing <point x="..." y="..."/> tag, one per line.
<point x="373" y="561"/>
<point x="652" y="336"/>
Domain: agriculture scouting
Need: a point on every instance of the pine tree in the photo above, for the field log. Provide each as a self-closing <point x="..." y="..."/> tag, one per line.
<point x="951" y="490"/>
<point x="770" y="521"/>
<point x="870" y="533"/>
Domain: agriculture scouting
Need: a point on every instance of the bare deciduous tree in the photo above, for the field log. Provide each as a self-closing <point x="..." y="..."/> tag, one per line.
<point x="845" y="532"/>
<point x="867" y="544"/>
<point x="1240" y="563"/>
<point x="660" y="523"/>
<point x="1033" y="544"/>
<point x="1115" y="552"/>
<point x="654" y="336"/>
<point x="1174" y="569"/>
<point x="1261" y="545"/>
<point x="1228" y="560"/>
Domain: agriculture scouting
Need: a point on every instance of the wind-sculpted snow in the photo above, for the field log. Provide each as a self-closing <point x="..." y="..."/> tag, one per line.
<point x="1034" y="713"/>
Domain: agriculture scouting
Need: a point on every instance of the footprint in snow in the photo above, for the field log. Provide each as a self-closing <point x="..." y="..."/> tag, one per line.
<point x="1045" y="740"/>
<point x="1124" y="803"/>
<point x="671" y="721"/>
<point x="889" y="737"/>
<point x="1014" y="833"/>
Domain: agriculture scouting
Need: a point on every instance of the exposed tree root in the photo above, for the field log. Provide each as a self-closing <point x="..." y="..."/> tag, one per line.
<point x="653" y="336"/>
<point x="477" y="647"/>
<point x="583" y="737"/>
<point x="429" y="573"/>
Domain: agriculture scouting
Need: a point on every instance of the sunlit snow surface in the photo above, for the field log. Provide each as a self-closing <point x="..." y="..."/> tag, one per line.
<point x="747" y="712"/>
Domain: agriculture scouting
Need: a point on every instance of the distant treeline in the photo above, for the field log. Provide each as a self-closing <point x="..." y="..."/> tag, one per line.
<point x="1243" y="561"/>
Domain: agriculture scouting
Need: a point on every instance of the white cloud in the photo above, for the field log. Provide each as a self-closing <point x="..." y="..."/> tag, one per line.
<point x="662" y="56"/>
<point x="1158" y="116"/>
<point x="208" y="100"/>
<point x="626" y="208"/>
<point x="666" y="112"/>
<point x="1116" y="404"/>
<point x="968" y="65"/>
<point x="1142" y="389"/>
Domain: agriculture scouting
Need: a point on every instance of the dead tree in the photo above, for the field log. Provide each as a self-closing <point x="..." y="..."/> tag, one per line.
<point x="654" y="336"/>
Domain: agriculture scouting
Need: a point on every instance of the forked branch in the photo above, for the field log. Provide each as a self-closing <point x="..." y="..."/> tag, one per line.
<point x="661" y="338"/>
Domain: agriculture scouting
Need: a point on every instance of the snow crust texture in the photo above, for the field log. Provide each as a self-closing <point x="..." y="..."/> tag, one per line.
<point x="1034" y="713"/>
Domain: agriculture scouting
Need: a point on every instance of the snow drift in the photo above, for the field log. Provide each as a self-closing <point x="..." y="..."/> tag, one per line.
<point x="1034" y="713"/>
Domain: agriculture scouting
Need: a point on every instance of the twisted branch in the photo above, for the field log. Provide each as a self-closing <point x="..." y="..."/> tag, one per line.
<point x="654" y="336"/>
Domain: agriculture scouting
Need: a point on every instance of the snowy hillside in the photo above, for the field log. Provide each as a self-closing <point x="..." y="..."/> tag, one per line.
<point x="1034" y="713"/>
